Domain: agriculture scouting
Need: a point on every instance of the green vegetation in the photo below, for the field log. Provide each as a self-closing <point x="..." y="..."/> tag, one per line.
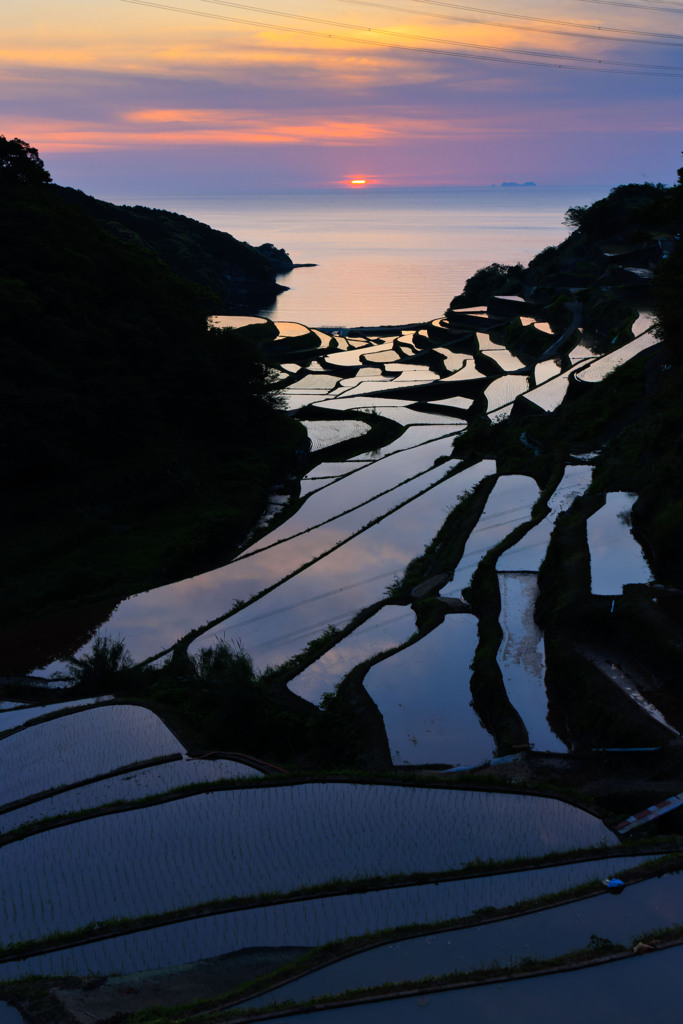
<point x="496" y="279"/>
<point x="20" y="164"/>
<point x="137" y="446"/>
<point x="226" y="1005"/>
<point x="235" y="272"/>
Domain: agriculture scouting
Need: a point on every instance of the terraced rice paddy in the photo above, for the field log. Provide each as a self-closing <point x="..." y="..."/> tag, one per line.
<point x="310" y="922"/>
<point x="137" y="784"/>
<point x="509" y="504"/>
<point x="17" y="717"/>
<point x="146" y="861"/>
<point x="600" y="368"/>
<point x="616" y="557"/>
<point x="424" y="695"/>
<point x="362" y="569"/>
<point x="522" y="657"/>
<point x="324" y="433"/>
<point x="644" y="987"/>
<point x="75" y="747"/>
<point x="350" y="535"/>
<point x="504" y="391"/>
<point x="540" y="935"/>
<point x="528" y="553"/>
<point x="389" y="627"/>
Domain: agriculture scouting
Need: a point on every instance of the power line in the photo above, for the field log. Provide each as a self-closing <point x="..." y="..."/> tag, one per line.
<point x="642" y="7"/>
<point x="486" y="522"/>
<point x="556" y="27"/>
<point x="430" y="39"/>
<point x="648" y="71"/>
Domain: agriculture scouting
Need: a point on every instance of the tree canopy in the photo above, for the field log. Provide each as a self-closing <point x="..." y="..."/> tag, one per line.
<point x="20" y="164"/>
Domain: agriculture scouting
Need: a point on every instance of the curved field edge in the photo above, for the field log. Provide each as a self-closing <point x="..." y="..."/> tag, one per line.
<point x="379" y="779"/>
<point x="578" y="959"/>
<point x="664" y="860"/>
<point x="37" y="994"/>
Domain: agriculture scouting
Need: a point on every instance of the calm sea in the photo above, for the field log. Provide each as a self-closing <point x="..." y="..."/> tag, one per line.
<point x="384" y="256"/>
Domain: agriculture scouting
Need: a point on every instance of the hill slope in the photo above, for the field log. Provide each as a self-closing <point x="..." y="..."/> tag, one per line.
<point x="126" y="424"/>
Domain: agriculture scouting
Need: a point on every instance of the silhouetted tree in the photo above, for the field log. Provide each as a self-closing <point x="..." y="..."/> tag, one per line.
<point x="20" y="164"/>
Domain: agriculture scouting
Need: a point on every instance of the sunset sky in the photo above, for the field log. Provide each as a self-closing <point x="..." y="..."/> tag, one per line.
<point x="206" y="96"/>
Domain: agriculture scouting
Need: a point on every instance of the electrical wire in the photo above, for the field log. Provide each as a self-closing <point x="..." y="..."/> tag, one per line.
<point x="429" y="51"/>
<point x="431" y="39"/>
<point x="642" y="7"/>
<point x="556" y="27"/>
<point x="473" y="557"/>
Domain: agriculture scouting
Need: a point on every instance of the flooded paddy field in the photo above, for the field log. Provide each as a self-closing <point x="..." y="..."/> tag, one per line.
<point x="639" y="987"/>
<point x="539" y="935"/>
<point x="366" y="586"/>
<point x="71" y="748"/>
<point x="308" y="922"/>
<point x="432" y="722"/>
<point x="209" y="846"/>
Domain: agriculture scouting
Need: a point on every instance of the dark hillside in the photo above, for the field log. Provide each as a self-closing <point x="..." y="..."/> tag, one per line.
<point x="133" y="440"/>
<point x="238" y="273"/>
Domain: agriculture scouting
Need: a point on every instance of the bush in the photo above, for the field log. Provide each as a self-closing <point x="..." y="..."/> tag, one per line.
<point x="105" y="668"/>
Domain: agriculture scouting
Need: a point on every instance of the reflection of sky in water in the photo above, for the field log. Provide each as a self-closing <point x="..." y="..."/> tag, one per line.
<point x="391" y="408"/>
<point x="545" y="370"/>
<point x="80" y="746"/>
<point x="457" y="402"/>
<point x="501" y="413"/>
<point x="599" y="369"/>
<point x="323" y="433"/>
<point x="580" y="352"/>
<point x="468" y="372"/>
<point x="379" y="358"/>
<point x="632" y="990"/>
<point x="424" y="695"/>
<point x="509" y="504"/>
<point x="522" y="657"/>
<point x="294" y="400"/>
<point x="329" y="469"/>
<point x="289" y="329"/>
<point x="616" y="557"/>
<point x="642" y="323"/>
<point x="208" y="846"/>
<point x="528" y="553"/>
<point x="550" y="395"/>
<point x="411" y="437"/>
<point x="132" y="786"/>
<point x="389" y="627"/>
<point x="315" y="921"/>
<point x="354" y="576"/>
<point x="152" y="621"/>
<point x="507" y="362"/>
<point x="453" y="361"/>
<point x="13" y="718"/>
<point x="543" y="934"/>
<point x="380" y="387"/>
<point x="313" y="382"/>
<point x="409" y="417"/>
<point x="504" y="390"/>
<point x="367" y="482"/>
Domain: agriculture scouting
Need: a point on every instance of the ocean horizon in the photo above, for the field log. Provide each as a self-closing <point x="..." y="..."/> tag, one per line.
<point x="383" y="255"/>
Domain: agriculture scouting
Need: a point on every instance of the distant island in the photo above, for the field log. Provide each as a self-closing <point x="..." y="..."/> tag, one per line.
<point x="517" y="184"/>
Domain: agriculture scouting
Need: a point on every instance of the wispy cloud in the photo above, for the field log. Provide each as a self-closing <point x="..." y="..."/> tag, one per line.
<point x="81" y="77"/>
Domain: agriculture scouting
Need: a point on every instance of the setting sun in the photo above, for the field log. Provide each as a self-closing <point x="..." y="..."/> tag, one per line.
<point x="359" y="182"/>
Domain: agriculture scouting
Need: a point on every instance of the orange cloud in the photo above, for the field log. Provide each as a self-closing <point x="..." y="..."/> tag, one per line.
<point x="246" y="129"/>
<point x="159" y="127"/>
<point x="163" y="42"/>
